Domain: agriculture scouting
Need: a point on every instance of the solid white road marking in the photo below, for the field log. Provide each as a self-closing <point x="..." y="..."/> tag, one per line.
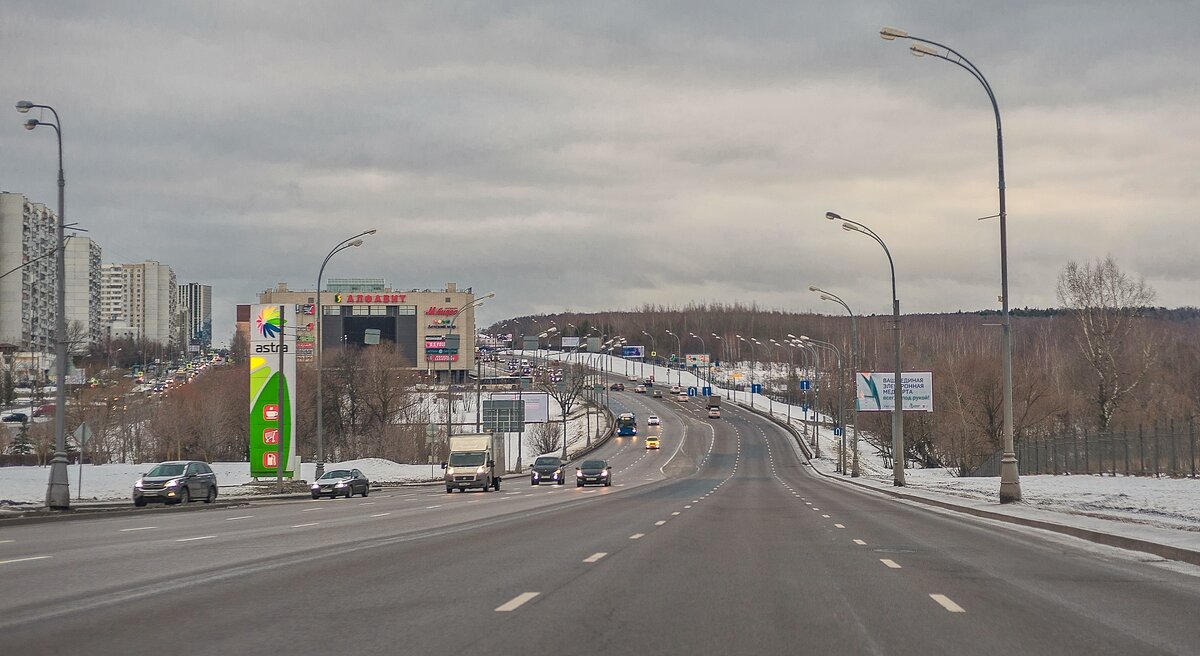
<point x="516" y="602"/>
<point x="232" y="519"/>
<point x="594" y="557"/>
<point x="431" y="507"/>
<point x="21" y="560"/>
<point x="890" y="563"/>
<point x="6" y="541"/>
<point x="839" y="526"/>
<point x="860" y="542"/>
<point x="947" y="603"/>
<point x="367" y="503"/>
<point x="636" y="536"/>
<point x="308" y="524"/>
<point x="381" y="514"/>
<point x="140" y="528"/>
<point x="202" y="537"/>
<point x="660" y="522"/>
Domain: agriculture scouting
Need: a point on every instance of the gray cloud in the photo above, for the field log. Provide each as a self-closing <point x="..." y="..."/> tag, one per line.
<point x="601" y="155"/>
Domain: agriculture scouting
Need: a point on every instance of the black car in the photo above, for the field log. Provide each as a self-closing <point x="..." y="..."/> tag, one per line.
<point x="617" y="387"/>
<point x="177" y="481"/>
<point x="548" y="469"/>
<point x="20" y="417"/>
<point x="341" y="482"/>
<point x="593" y="471"/>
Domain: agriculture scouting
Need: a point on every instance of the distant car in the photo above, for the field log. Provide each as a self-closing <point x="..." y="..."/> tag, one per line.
<point x="15" y="417"/>
<point x="675" y="389"/>
<point x="633" y="379"/>
<point x="653" y="420"/>
<point x="341" y="482"/>
<point x="656" y="394"/>
<point x="681" y="397"/>
<point x="176" y="481"/>
<point x="593" y="471"/>
<point x="617" y="387"/>
<point x="640" y="389"/>
<point x="548" y="469"/>
<point x="652" y="443"/>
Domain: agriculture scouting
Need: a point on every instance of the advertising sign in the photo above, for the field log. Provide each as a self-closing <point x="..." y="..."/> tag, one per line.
<point x="570" y="343"/>
<point x="633" y="352"/>
<point x="441" y="357"/>
<point x="271" y="423"/>
<point x="537" y="404"/>
<point x="503" y="416"/>
<point x="531" y="343"/>
<point x="593" y="344"/>
<point x="696" y="359"/>
<point x="876" y="391"/>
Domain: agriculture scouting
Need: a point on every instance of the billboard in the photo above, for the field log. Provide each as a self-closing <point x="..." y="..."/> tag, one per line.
<point x="570" y="343"/>
<point x="634" y="352"/>
<point x="876" y="391"/>
<point x="696" y="359"/>
<point x="593" y="344"/>
<point x="272" y="415"/>
<point x="537" y="404"/>
<point x="531" y="343"/>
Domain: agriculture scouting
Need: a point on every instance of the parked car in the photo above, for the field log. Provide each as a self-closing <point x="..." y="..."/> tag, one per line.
<point x="176" y="481"/>
<point x="593" y="471"/>
<point x="548" y="469"/>
<point x="15" y="417"/>
<point x="341" y="482"/>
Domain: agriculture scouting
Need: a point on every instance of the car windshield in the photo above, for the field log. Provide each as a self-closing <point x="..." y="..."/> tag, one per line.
<point x="167" y="470"/>
<point x="593" y="464"/>
<point x="546" y="462"/>
<point x="337" y="473"/>
<point x="467" y="458"/>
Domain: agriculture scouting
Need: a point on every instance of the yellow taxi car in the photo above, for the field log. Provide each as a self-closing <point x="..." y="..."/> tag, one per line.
<point x="652" y="442"/>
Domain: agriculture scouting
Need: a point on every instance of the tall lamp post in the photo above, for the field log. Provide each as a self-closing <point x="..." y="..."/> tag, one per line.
<point x="718" y="338"/>
<point x="830" y="296"/>
<point x="703" y="348"/>
<point x="897" y="385"/>
<point x="679" y="352"/>
<point x="449" y="360"/>
<point x="753" y="366"/>
<point x="1010" y="482"/>
<point x="653" y="349"/>
<point x="58" y="492"/>
<point x="351" y="242"/>
<point x="815" y="358"/>
<point x="838" y="355"/>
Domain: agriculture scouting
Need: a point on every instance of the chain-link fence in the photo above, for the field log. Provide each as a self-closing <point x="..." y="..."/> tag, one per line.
<point x="1154" y="450"/>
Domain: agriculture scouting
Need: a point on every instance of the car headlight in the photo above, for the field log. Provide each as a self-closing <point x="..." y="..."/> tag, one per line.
<point x="481" y="470"/>
<point x="579" y="474"/>
<point x="173" y="483"/>
<point x="138" y="483"/>
<point x="316" y="486"/>
<point x="604" y="473"/>
<point x="450" y="471"/>
<point x="341" y="484"/>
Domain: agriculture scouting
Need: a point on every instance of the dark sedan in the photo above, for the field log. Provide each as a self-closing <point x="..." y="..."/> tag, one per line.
<point x="593" y="471"/>
<point x="341" y="482"/>
<point x="548" y="469"/>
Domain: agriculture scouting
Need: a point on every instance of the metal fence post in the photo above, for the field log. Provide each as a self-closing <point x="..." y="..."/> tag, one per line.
<point x="1100" y="453"/>
<point x="1075" y="451"/>
<point x="1157" y="450"/>
<point x="1141" y="451"/>
<point x="1125" y="441"/>
<point x="1087" y="454"/>
<point x="1192" y="442"/>
<point x="1174" y="458"/>
<point x="1054" y="456"/>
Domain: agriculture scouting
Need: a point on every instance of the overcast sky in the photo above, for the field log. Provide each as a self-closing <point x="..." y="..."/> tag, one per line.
<point x="600" y="155"/>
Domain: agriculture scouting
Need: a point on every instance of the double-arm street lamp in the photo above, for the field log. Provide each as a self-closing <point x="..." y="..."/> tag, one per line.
<point x="58" y="492"/>
<point x="679" y="352"/>
<point x="830" y="296"/>
<point x="753" y="361"/>
<point x="898" y="383"/>
<point x="840" y="425"/>
<point x="1010" y="482"/>
<point x="450" y="357"/>
<point x="815" y="358"/>
<point x="349" y="242"/>
<point x="707" y="355"/>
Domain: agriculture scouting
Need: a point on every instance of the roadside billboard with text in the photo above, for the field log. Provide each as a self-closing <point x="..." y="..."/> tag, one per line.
<point x="877" y="392"/>
<point x="570" y="343"/>
<point x="633" y="352"/>
<point x="696" y="359"/>
<point x="537" y="404"/>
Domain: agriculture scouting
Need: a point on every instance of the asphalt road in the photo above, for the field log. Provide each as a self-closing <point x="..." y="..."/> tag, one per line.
<point x="720" y="543"/>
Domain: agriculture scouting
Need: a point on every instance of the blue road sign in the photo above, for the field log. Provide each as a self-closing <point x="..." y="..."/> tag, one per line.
<point x="837" y="430"/>
<point x="706" y="391"/>
<point x="756" y="388"/>
<point x="692" y="391"/>
<point x="805" y="385"/>
<point x="804" y="408"/>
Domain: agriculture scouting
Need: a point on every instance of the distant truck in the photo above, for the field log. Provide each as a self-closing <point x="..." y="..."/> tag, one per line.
<point x="713" y="403"/>
<point x="476" y="461"/>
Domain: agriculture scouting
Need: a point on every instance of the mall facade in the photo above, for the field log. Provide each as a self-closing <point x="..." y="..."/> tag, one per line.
<point x="359" y="312"/>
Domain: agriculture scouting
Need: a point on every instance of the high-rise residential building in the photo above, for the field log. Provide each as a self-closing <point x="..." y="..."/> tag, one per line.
<point x="114" y="301"/>
<point x="83" y="293"/>
<point x="141" y="301"/>
<point x="196" y="301"/>
<point x="28" y="308"/>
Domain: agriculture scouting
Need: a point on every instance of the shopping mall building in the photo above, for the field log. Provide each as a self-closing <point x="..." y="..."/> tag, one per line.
<point x="357" y="312"/>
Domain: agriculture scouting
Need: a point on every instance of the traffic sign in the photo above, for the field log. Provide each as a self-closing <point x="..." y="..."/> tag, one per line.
<point x="756" y="388"/>
<point x="692" y="391"/>
<point x="837" y="430"/>
<point x="805" y="385"/>
<point x="706" y="391"/>
<point x="83" y="434"/>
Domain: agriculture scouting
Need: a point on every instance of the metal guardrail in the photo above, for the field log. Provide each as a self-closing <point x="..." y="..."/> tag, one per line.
<point x="1156" y="451"/>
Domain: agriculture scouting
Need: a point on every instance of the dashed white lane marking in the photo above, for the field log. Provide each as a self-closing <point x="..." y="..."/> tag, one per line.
<point x="308" y="524"/>
<point x="140" y="528"/>
<point x="825" y="516"/>
<point x="660" y="522"/>
<point x="309" y="509"/>
<point x="234" y="519"/>
<point x="594" y="557"/>
<point x="516" y="602"/>
<point x="21" y="560"/>
<point x="431" y="507"/>
<point x="808" y="503"/>
<point x="6" y="541"/>
<point x="890" y="563"/>
<point x="675" y="513"/>
<point x="202" y="537"/>
<point x="686" y="507"/>
<point x="381" y="514"/>
<point x="636" y="536"/>
<point x="859" y="542"/>
<point x="367" y="503"/>
<point x="839" y="526"/>
<point x="947" y="603"/>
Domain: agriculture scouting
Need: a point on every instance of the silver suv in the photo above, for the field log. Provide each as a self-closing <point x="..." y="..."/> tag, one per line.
<point x="176" y="481"/>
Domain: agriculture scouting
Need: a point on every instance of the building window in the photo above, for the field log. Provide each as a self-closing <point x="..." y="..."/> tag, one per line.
<point x="378" y="310"/>
<point x="406" y="310"/>
<point x="360" y="310"/>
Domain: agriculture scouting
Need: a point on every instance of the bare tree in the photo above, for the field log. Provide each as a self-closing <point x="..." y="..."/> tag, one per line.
<point x="565" y="387"/>
<point x="544" y="438"/>
<point x="1108" y="305"/>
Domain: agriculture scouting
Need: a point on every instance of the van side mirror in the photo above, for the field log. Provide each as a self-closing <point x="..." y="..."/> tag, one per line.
<point x="491" y="463"/>
<point x="443" y="464"/>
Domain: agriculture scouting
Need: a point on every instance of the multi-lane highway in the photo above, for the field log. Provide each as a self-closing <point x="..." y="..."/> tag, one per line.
<point x="723" y="542"/>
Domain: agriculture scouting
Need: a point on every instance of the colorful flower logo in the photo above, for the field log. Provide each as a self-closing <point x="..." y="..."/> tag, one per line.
<point x="269" y="323"/>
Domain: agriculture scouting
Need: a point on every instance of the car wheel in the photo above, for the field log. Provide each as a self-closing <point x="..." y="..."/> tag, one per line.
<point x="562" y="481"/>
<point x="533" y="482"/>
<point x="486" y="486"/>
<point x="497" y="484"/>
<point x="212" y="494"/>
<point x="366" y="490"/>
<point x="449" y="490"/>
<point x="139" y="502"/>
<point x="579" y="485"/>
<point x="349" y="491"/>
<point x="185" y="496"/>
<point x="316" y="496"/>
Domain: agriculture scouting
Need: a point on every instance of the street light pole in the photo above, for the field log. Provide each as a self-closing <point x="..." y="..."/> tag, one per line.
<point x="830" y="296"/>
<point x="1010" y="482"/>
<point x="838" y="354"/>
<point x="58" y="491"/>
<point x="352" y="242"/>
<point x="449" y="361"/>
<point x="898" y="383"/>
<point x="753" y="366"/>
<point x="679" y="352"/>
<point x="703" y="348"/>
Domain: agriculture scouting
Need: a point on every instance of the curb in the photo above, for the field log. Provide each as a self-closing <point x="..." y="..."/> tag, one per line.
<point x="1166" y="551"/>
